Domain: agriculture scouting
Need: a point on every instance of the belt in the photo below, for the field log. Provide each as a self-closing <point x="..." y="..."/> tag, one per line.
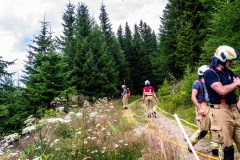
<point x="218" y="106"/>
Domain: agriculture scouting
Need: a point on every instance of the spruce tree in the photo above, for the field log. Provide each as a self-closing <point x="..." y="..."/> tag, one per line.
<point x="120" y="36"/>
<point x="149" y="49"/>
<point x="67" y="42"/>
<point x="135" y="59"/>
<point x="82" y="29"/>
<point x="42" y="78"/>
<point x="114" y="49"/>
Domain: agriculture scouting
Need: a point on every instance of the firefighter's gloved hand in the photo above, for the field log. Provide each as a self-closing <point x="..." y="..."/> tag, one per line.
<point x="202" y="112"/>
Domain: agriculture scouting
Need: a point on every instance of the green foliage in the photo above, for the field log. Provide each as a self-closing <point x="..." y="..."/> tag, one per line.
<point x="66" y="131"/>
<point x="176" y="97"/>
<point x="223" y="29"/>
<point x="165" y="89"/>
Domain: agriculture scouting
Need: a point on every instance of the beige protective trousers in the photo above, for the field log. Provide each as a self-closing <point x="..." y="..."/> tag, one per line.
<point x="203" y="123"/>
<point x="225" y="125"/>
<point x="125" y="100"/>
<point x="151" y="104"/>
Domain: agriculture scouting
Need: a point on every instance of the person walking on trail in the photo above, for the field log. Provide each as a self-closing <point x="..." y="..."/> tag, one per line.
<point x="149" y="98"/>
<point x="124" y="97"/>
<point x="225" y="119"/>
<point x="201" y="102"/>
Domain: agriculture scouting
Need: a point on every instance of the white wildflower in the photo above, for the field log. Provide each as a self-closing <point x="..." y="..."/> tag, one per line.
<point x="37" y="158"/>
<point x="95" y="151"/>
<point x="28" y="129"/>
<point x="98" y="125"/>
<point x="30" y="120"/>
<point x="86" y="104"/>
<point x="52" y="144"/>
<point x="60" y="109"/>
<point x="93" y="114"/>
<point x="79" y="114"/>
<point x="5" y="144"/>
<point x="111" y="107"/>
<point x="10" y="146"/>
<point x="55" y="120"/>
<point x="126" y="144"/>
<point x="39" y="147"/>
<point x="104" y="148"/>
<point x="108" y="133"/>
<point x="70" y="115"/>
<point x="93" y="138"/>
<point x="56" y="141"/>
<point x="85" y="141"/>
<point x="103" y="129"/>
<point x="57" y="149"/>
<point x="116" y="145"/>
<point x="11" y="137"/>
<point x="78" y="133"/>
<point x="89" y="130"/>
<point x="1" y="152"/>
<point x="11" y="155"/>
<point x="120" y="141"/>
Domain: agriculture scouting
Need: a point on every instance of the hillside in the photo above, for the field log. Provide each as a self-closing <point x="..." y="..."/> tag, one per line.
<point x="102" y="131"/>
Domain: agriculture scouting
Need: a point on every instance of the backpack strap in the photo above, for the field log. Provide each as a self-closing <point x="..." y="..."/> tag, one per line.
<point x="202" y="88"/>
<point x="223" y="100"/>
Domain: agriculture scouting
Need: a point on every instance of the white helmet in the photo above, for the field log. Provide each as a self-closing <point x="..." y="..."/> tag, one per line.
<point x="147" y="82"/>
<point x="224" y="53"/>
<point x="202" y="69"/>
<point x="123" y="86"/>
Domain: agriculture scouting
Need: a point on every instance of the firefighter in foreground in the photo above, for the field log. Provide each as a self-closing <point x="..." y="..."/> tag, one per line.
<point x="124" y="95"/>
<point x="149" y="98"/>
<point x="201" y="102"/>
<point x="224" y="116"/>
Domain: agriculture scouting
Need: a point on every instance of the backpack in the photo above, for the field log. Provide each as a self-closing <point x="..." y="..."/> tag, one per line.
<point x="128" y="92"/>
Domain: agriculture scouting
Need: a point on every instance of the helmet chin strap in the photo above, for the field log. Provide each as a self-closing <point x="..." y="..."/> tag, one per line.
<point x="223" y="64"/>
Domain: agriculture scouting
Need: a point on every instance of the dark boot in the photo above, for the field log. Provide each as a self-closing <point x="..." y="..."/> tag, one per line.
<point x="154" y="114"/>
<point x="215" y="152"/>
<point x="228" y="153"/>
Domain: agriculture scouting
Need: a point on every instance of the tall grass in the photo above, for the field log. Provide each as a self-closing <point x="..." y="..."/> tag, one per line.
<point x="99" y="133"/>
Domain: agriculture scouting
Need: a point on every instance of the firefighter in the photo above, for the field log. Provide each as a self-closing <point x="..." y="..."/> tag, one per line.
<point x="224" y="117"/>
<point x="201" y="102"/>
<point x="149" y="98"/>
<point x="124" y="95"/>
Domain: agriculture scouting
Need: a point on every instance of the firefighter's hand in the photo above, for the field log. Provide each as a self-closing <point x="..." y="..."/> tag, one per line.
<point x="202" y="112"/>
<point x="237" y="81"/>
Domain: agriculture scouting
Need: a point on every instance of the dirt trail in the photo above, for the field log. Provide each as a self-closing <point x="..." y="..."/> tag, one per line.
<point x="164" y="136"/>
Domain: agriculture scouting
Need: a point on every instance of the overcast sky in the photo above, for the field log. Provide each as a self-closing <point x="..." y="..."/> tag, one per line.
<point x="19" y="20"/>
